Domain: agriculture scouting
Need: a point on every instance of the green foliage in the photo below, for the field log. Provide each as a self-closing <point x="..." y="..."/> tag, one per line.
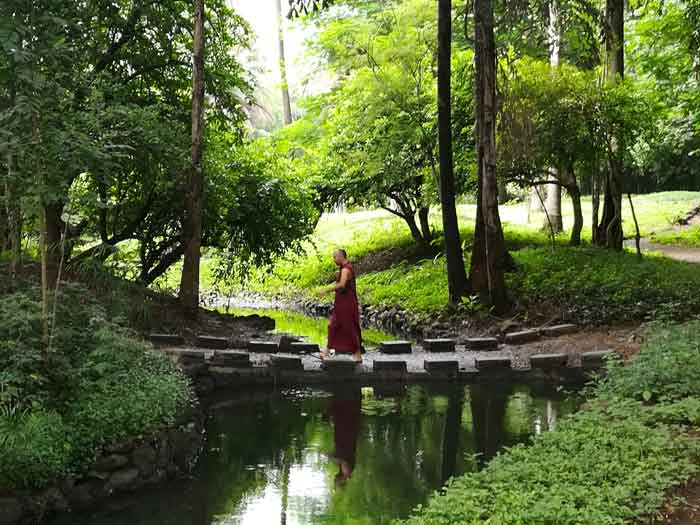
<point x="96" y="384"/>
<point x="611" y="463"/>
<point x="689" y="237"/>
<point x="667" y="369"/>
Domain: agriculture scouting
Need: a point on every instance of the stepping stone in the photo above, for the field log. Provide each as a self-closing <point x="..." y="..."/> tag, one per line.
<point x="595" y="359"/>
<point x="390" y="389"/>
<point x="492" y="363"/>
<point x="339" y="365"/>
<point x="396" y="347"/>
<point x="304" y="348"/>
<point x="167" y="339"/>
<point x="390" y="367"/>
<point x="286" y="363"/>
<point x="231" y="359"/>
<point x="548" y="360"/>
<point x="439" y="345"/>
<point x="207" y="341"/>
<point x="560" y="329"/>
<point x="525" y="336"/>
<point x="441" y="367"/>
<point x="187" y="357"/>
<point x="482" y="343"/>
<point x="268" y="347"/>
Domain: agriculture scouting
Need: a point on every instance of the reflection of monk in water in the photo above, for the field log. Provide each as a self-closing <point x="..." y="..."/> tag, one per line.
<point x="345" y="412"/>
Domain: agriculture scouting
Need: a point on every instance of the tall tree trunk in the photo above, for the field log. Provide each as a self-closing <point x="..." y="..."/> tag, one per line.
<point x="489" y="256"/>
<point x="53" y="228"/>
<point x="423" y="218"/>
<point x="456" y="273"/>
<point x="610" y="232"/>
<point x="553" y="202"/>
<point x="192" y="238"/>
<point x="595" y="206"/>
<point x="575" y="194"/>
<point x="286" y="104"/>
<point x="450" y="434"/>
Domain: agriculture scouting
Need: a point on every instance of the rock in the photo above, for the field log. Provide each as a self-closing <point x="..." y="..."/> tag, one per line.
<point x="206" y="341"/>
<point x="439" y="345"/>
<point x="84" y="493"/>
<point x="167" y="339"/>
<point x="164" y="454"/>
<point x="144" y="459"/>
<point x="285" y="342"/>
<point x="449" y="368"/>
<point x="548" y="360"/>
<point x="122" y="447"/>
<point x="269" y="347"/>
<point x="560" y="329"/>
<point x="339" y="366"/>
<point x="491" y="363"/>
<point x="51" y="499"/>
<point x="10" y="511"/>
<point x="188" y="357"/>
<point x="396" y="347"/>
<point x="286" y="363"/>
<point x="524" y="336"/>
<point x="111" y="463"/>
<point x="124" y="479"/>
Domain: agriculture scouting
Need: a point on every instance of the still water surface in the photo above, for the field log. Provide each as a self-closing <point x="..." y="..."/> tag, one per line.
<point x="346" y="456"/>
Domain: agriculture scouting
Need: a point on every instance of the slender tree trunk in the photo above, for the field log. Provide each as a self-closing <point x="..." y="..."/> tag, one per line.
<point x="192" y="238"/>
<point x="553" y="202"/>
<point x="450" y="434"/>
<point x="12" y="205"/>
<point x="43" y="247"/>
<point x="53" y="225"/>
<point x="456" y="273"/>
<point x="423" y="218"/>
<point x="489" y="256"/>
<point x="286" y="104"/>
<point x="575" y="194"/>
<point x="533" y="204"/>
<point x="595" y="206"/>
<point x="416" y="232"/>
<point x="610" y="232"/>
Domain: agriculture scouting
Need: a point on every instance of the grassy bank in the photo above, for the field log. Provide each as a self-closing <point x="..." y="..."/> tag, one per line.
<point x="593" y="284"/>
<point x="612" y="463"/>
<point x="95" y="384"/>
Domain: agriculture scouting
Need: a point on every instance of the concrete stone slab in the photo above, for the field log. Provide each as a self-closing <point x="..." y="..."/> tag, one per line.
<point x="340" y="365"/>
<point x="232" y="359"/>
<point x="304" y="348"/>
<point x="524" y="336"/>
<point x="482" y="343"/>
<point x="286" y="363"/>
<point x="390" y="367"/>
<point x="439" y="345"/>
<point x="560" y="329"/>
<point x="268" y="347"/>
<point x="216" y="343"/>
<point x="167" y="339"/>
<point x="449" y="368"/>
<point x="396" y="347"/>
<point x="492" y="363"/>
<point x="595" y="359"/>
<point x="548" y="360"/>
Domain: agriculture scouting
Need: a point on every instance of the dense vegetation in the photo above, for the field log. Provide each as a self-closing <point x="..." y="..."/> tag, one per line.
<point x="95" y="384"/>
<point x="610" y="463"/>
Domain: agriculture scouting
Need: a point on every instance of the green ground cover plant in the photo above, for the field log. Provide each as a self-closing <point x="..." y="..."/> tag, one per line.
<point x="613" y="463"/>
<point x="96" y="384"/>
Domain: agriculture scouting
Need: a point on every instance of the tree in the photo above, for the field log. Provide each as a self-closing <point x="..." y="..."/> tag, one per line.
<point x="192" y="231"/>
<point x="456" y="274"/>
<point x="553" y="203"/>
<point x="608" y="232"/>
<point x="286" y="104"/>
<point x="489" y="257"/>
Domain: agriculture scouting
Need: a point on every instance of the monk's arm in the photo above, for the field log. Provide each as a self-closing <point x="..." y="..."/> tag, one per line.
<point x="344" y="278"/>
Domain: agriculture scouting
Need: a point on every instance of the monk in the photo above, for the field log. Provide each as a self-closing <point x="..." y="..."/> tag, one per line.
<point x="344" y="334"/>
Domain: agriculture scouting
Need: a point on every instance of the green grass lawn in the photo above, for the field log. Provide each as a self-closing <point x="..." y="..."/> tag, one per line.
<point x="596" y="284"/>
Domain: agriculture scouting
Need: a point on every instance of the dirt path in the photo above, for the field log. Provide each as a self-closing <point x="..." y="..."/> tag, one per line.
<point x="679" y="253"/>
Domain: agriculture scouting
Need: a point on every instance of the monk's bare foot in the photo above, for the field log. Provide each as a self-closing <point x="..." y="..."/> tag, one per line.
<point x="357" y="357"/>
<point x="324" y="355"/>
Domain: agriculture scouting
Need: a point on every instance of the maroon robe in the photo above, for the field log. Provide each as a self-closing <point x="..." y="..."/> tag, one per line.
<point x="344" y="334"/>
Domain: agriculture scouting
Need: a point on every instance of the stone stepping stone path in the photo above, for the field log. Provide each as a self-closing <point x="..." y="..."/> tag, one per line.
<point x="439" y="345"/>
<point x="396" y="347"/>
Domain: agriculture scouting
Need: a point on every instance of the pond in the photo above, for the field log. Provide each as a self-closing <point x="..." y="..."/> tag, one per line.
<point x="314" y="329"/>
<point x="349" y="455"/>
